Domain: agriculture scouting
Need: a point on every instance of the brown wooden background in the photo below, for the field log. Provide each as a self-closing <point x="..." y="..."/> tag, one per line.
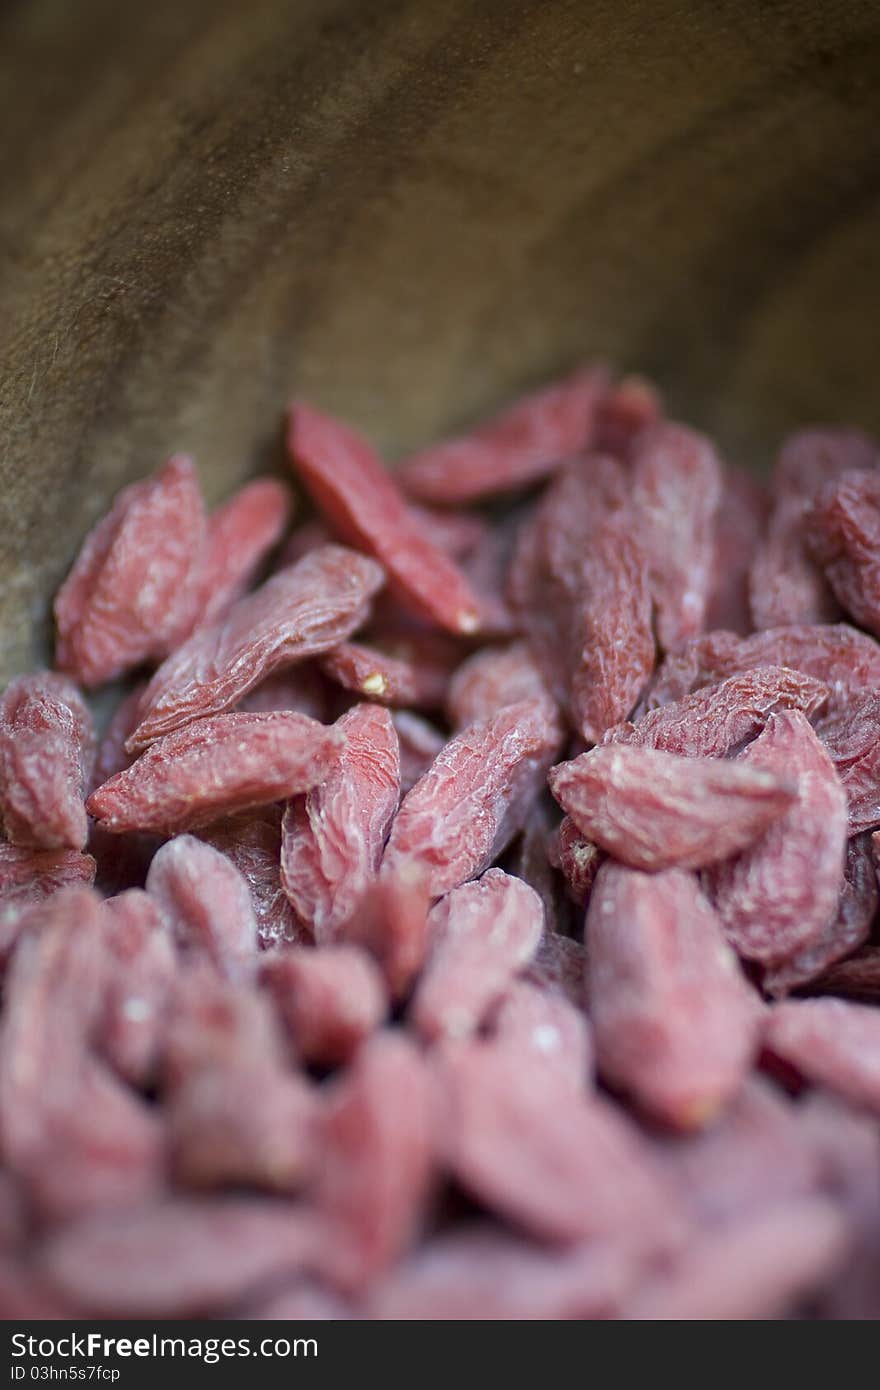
<point x="406" y="209"/>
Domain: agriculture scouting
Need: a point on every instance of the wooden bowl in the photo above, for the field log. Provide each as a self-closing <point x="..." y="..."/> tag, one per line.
<point x="407" y="211"/>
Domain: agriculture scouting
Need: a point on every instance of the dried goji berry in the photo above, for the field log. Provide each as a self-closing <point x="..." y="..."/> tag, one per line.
<point x="654" y="810"/>
<point x="56" y="1096"/>
<point x="755" y="1156"/>
<point x="242" y="1126"/>
<point x="843" y="532"/>
<point x="785" y="584"/>
<point x="547" y="1026"/>
<point x="329" y="1000"/>
<point x="483" y="1272"/>
<point x="674" y="1021"/>
<point x="299" y="613"/>
<point x="133" y="591"/>
<point x="376" y="1160"/>
<point x="490" y="679"/>
<point x="141" y="965"/>
<point x="479" y="936"/>
<point x="474" y="797"/>
<point x="396" y="668"/>
<point x="810" y="457"/>
<point x="757" y="1270"/>
<point x="624" y="411"/>
<point x="240" y="533"/>
<point x="215" y="1022"/>
<point x="215" y="767"/>
<point x="715" y="720"/>
<point x="305" y="1300"/>
<point x="332" y="839"/>
<point x="363" y="504"/>
<point x="30" y="875"/>
<point x="739" y="528"/>
<point x="420" y="742"/>
<point x="47" y="745"/>
<point x="845" y="660"/>
<point x="776" y="898"/>
<point x="846" y="929"/>
<point x="851" y="733"/>
<point x="832" y="1042"/>
<point x="392" y="924"/>
<point x="579" y="585"/>
<point x="206" y="903"/>
<point x="561" y="1166"/>
<point x="676" y="489"/>
<point x="513" y="449"/>
<point x="252" y="841"/>
<point x="577" y="858"/>
<point x="184" y="1255"/>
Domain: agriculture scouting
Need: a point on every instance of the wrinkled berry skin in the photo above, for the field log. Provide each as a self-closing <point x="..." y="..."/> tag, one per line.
<point x="775" y="899"/>
<point x="133" y="592"/>
<point x="216" y="767"/>
<point x="47" y="746"/>
<point x="298" y="613"/>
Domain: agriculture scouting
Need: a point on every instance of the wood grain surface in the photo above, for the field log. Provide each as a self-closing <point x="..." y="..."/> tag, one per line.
<point x="406" y="209"/>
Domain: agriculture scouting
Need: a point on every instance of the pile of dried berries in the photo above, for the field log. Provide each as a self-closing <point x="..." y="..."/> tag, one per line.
<point x="457" y="889"/>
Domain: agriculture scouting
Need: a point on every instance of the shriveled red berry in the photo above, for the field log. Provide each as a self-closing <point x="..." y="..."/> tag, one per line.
<point x="182" y="1255"/>
<point x="329" y="1000"/>
<point x="674" y="1021"/>
<point x="474" y="797"/>
<point x="483" y="1272"/>
<point x="577" y="858"/>
<point x="396" y="668"/>
<point x="366" y="509"/>
<point x="57" y="1097"/>
<point x="654" y="810"/>
<point x="299" y="613"/>
<point x="676" y="490"/>
<point x="333" y="838"/>
<point x="141" y="968"/>
<point x="776" y="898"/>
<point x="252" y="841"/>
<point x="376" y="1162"/>
<point x="717" y="719"/>
<point x="133" y="591"/>
<point x="216" y="767"/>
<point x="480" y="936"/>
<point x="206" y="903"/>
<point x="845" y="660"/>
<point x="832" y="1042"/>
<point x="843" y="532"/>
<point x="47" y="745"/>
<point x="846" y="929"/>
<point x="239" y="535"/>
<point x="546" y="1025"/>
<point x="561" y="1166"/>
<point x="514" y="448"/>
<point x="490" y="679"/>
<point x="30" y="875"/>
